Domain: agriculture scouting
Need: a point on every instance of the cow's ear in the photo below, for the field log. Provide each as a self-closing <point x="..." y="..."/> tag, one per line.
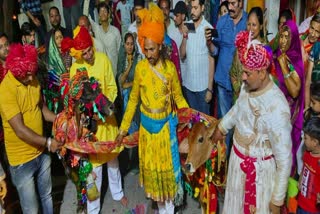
<point x="211" y="129"/>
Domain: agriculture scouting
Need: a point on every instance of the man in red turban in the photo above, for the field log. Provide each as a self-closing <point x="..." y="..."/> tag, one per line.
<point x="98" y="66"/>
<point x="22" y="110"/>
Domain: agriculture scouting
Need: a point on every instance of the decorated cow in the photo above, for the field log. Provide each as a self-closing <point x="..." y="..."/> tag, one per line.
<point x="204" y="161"/>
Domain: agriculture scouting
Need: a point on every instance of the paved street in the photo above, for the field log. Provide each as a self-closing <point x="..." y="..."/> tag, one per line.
<point x="134" y="193"/>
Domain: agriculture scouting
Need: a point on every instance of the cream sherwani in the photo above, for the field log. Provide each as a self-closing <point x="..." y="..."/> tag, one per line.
<point x="262" y="128"/>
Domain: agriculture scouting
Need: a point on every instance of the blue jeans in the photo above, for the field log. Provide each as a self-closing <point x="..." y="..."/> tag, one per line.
<point x="197" y="101"/>
<point x="29" y="176"/>
<point x="224" y="105"/>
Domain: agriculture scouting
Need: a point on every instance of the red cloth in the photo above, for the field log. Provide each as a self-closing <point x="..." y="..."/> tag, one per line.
<point x="249" y="169"/>
<point x="310" y="183"/>
<point x="82" y="40"/>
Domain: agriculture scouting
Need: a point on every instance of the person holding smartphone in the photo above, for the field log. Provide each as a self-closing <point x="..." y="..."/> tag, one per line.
<point x="228" y="27"/>
<point x="198" y="83"/>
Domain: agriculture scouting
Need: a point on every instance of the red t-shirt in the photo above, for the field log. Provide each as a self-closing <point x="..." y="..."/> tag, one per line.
<point x="310" y="183"/>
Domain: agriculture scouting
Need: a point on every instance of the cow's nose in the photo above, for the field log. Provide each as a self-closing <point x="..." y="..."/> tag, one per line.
<point x="188" y="166"/>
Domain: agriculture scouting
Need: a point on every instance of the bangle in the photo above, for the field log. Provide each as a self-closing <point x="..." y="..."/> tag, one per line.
<point x="48" y="142"/>
<point x="286" y="76"/>
<point x="211" y="91"/>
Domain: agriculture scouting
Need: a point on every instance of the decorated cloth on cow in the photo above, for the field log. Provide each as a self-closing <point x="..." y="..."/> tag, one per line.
<point x="75" y="126"/>
<point x="108" y="130"/>
<point x="205" y="174"/>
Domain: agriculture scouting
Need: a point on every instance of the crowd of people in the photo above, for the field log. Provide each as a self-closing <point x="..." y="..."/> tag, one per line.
<point x="150" y="60"/>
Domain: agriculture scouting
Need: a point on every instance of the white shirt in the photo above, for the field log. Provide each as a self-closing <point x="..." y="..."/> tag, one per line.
<point x="111" y="41"/>
<point x="197" y="59"/>
<point x="125" y="11"/>
<point x="177" y="36"/>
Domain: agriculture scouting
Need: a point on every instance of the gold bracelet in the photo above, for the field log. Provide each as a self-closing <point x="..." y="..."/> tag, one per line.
<point x="123" y="133"/>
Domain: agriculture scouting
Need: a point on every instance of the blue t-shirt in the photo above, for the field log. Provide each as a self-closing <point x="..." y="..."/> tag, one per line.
<point x="225" y="47"/>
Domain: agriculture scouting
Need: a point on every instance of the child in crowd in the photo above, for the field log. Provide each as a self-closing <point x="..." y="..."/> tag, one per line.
<point x="309" y="184"/>
<point x="125" y="9"/>
<point x="312" y="111"/>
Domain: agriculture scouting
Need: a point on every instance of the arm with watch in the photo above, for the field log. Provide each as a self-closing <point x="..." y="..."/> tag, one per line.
<point x="291" y="77"/>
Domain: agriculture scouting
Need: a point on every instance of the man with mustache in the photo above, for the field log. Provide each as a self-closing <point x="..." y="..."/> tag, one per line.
<point x="55" y="21"/>
<point x="22" y="111"/>
<point x="260" y="160"/>
<point x="228" y="27"/>
<point x="28" y="34"/>
<point x="99" y="66"/>
<point x="198" y="82"/>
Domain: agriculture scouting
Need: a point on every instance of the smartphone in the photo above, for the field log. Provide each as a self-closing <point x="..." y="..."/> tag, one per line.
<point x="214" y="33"/>
<point x="190" y="26"/>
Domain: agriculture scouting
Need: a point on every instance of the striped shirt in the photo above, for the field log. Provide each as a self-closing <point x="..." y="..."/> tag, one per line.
<point x="33" y="6"/>
<point x="197" y="53"/>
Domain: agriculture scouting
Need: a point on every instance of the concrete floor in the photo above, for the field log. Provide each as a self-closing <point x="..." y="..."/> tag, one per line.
<point x="134" y="193"/>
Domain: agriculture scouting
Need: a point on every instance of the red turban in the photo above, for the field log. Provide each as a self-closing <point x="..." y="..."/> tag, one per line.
<point x="252" y="54"/>
<point x="152" y="26"/>
<point x="81" y="40"/>
<point x="21" y="60"/>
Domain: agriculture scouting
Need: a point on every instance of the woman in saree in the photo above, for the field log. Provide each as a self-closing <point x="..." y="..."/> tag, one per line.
<point x="58" y="63"/>
<point x="127" y="61"/>
<point x="290" y="75"/>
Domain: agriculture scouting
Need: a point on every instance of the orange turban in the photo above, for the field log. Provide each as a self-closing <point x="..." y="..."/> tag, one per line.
<point x="152" y="25"/>
<point x="81" y="40"/>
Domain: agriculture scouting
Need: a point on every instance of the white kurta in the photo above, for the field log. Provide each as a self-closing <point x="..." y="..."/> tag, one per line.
<point x="262" y="128"/>
<point x="111" y="41"/>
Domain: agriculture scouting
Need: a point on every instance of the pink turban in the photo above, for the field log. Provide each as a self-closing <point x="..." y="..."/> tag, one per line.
<point x="252" y="54"/>
<point x="21" y="60"/>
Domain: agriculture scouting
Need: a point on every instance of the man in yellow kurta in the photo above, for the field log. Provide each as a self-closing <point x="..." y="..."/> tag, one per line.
<point x="99" y="66"/>
<point x="157" y="85"/>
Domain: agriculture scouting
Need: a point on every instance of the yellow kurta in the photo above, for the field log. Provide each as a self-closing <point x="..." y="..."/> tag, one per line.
<point x="102" y="71"/>
<point x="156" y="169"/>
